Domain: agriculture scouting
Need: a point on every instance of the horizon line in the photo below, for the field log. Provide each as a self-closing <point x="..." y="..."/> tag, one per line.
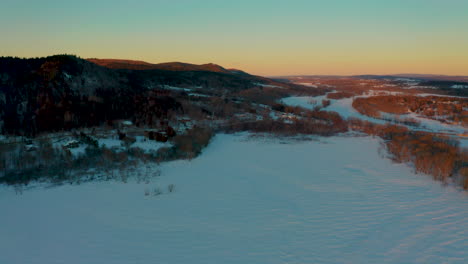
<point x="228" y="68"/>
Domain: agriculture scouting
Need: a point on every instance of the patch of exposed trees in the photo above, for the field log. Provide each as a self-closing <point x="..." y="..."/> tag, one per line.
<point x="436" y="155"/>
<point x="46" y="162"/>
<point x="340" y="95"/>
<point x="293" y="121"/>
<point x="445" y="109"/>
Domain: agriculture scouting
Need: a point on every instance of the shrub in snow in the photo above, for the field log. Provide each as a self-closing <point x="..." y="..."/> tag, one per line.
<point x="190" y="144"/>
<point x="171" y="187"/>
<point x="157" y="191"/>
<point x="157" y="173"/>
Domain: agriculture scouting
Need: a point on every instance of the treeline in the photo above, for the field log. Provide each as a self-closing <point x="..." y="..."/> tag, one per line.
<point x="279" y="127"/>
<point x="61" y="93"/>
<point x="58" y="93"/>
<point x="430" y="154"/>
<point x="340" y="95"/>
<point x="451" y="109"/>
<point x="188" y="145"/>
<point x="294" y="121"/>
<point x="19" y="165"/>
<point x="447" y="86"/>
<point x="64" y="92"/>
<point x="52" y="164"/>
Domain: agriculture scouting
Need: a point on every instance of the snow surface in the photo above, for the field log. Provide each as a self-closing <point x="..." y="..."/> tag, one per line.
<point x="110" y="142"/>
<point x="268" y="85"/>
<point x="313" y="85"/>
<point x="198" y="95"/>
<point x="78" y="151"/>
<point x="459" y="86"/>
<point x="149" y="146"/>
<point x="463" y="142"/>
<point x="127" y="123"/>
<point x="344" y="107"/>
<point x="246" y="201"/>
<point x="169" y="87"/>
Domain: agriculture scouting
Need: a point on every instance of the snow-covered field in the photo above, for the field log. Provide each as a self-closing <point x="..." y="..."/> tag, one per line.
<point x="332" y="200"/>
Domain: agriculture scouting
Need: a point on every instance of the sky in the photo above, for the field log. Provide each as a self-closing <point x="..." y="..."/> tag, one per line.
<point x="293" y="37"/>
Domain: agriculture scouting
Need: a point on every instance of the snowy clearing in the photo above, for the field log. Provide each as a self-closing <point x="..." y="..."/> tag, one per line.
<point x="246" y="201"/>
<point x="344" y="107"/>
<point x="459" y="86"/>
<point x="149" y="146"/>
<point x="268" y="85"/>
<point x="179" y="89"/>
<point x="313" y="85"/>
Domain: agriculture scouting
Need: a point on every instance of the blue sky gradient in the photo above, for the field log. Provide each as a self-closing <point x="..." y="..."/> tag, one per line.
<point x="262" y="37"/>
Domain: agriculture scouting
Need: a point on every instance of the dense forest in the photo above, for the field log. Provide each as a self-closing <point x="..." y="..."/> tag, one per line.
<point x="64" y="92"/>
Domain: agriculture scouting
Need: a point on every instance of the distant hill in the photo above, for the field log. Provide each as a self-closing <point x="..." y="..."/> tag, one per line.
<point x="423" y="77"/>
<point x="121" y="64"/>
<point x="169" y="66"/>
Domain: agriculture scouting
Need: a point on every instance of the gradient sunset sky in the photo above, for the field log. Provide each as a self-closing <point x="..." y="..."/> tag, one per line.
<point x="261" y="37"/>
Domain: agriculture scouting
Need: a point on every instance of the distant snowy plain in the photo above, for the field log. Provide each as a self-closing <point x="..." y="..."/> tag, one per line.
<point x="246" y="200"/>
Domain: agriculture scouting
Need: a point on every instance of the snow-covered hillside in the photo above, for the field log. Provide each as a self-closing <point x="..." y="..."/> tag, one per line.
<point x="246" y="200"/>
